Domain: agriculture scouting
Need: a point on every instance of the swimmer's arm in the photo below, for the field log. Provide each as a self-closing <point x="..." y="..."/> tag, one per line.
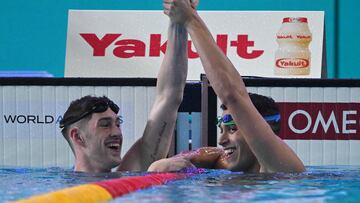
<point x="273" y="154"/>
<point x="218" y="68"/>
<point x="170" y="165"/>
<point x="156" y="140"/>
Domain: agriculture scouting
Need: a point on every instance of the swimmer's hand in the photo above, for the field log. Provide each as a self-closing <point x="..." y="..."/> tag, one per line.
<point x="170" y="165"/>
<point x="206" y="157"/>
<point x="180" y="11"/>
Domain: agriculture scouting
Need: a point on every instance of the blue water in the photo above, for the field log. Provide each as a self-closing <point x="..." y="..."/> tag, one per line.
<point x="19" y="183"/>
<point x="318" y="184"/>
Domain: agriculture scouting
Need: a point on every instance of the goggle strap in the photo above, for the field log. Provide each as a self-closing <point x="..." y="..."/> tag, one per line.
<point x="230" y="121"/>
<point x="275" y="117"/>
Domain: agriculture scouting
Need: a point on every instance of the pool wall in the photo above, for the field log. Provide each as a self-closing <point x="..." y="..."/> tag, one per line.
<point x="31" y="109"/>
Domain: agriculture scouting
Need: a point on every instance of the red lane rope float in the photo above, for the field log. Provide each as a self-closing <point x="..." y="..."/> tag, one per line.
<point x="107" y="190"/>
<point x="119" y="187"/>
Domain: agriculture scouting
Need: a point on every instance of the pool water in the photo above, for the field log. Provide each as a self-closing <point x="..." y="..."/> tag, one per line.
<point x="318" y="184"/>
<point x="19" y="183"/>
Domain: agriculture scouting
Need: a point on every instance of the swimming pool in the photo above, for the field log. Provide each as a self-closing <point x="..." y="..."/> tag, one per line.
<point x="318" y="184"/>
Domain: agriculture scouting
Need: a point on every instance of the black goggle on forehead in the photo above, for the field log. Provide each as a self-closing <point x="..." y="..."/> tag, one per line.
<point x="98" y="107"/>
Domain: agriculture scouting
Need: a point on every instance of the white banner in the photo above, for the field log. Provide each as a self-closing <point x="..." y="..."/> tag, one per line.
<point x="133" y="43"/>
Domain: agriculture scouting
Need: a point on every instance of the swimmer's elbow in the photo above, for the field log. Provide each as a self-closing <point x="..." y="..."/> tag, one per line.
<point x="297" y="168"/>
<point x="300" y="169"/>
<point x="230" y="98"/>
<point x="172" y="96"/>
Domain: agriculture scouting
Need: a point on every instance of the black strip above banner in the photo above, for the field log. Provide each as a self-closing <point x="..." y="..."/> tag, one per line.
<point x="249" y="81"/>
<point x="79" y="81"/>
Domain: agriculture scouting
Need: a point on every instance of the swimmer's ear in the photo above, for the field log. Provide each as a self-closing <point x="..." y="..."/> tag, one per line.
<point x="74" y="135"/>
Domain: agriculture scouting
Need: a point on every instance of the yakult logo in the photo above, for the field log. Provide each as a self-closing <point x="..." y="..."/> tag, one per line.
<point x="292" y="63"/>
<point x="294" y="37"/>
<point x="320" y="121"/>
<point x="293" y="55"/>
<point x="129" y="48"/>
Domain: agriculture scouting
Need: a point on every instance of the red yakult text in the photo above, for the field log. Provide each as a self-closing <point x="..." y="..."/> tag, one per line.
<point x="292" y="63"/>
<point x="128" y="48"/>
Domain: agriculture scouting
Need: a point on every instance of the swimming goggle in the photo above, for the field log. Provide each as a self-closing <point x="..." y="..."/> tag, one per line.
<point x="98" y="107"/>
<point x="228" y="120"/>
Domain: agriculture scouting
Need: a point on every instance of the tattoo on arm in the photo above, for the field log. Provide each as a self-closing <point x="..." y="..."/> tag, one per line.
<point x="154" y="154"/>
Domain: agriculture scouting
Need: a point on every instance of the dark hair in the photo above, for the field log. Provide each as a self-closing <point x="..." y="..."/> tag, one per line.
<point x="77" y="108"/>
<point x="266" y="106"/>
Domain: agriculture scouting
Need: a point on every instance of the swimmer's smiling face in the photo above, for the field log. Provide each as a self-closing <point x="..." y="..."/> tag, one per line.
<point x="239" y="157"/>
<point x="103" y="140"/>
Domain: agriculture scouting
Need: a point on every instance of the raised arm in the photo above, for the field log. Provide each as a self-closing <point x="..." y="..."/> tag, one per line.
<point x="155" y="142"/>
<point x="271" y="152"/>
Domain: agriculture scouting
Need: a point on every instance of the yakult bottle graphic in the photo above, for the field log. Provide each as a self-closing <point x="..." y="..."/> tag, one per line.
<point x="293" y="56"/>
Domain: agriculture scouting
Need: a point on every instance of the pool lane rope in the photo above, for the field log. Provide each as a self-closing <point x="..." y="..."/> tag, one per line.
<point x="107" y="190"/>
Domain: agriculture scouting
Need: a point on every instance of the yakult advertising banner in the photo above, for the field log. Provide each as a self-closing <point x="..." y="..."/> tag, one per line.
<point x="133" y="43"/>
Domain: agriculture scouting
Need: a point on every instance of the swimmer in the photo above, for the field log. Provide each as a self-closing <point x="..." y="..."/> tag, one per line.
<point x="91" y="125"/>
<point x="249" y="143"/>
